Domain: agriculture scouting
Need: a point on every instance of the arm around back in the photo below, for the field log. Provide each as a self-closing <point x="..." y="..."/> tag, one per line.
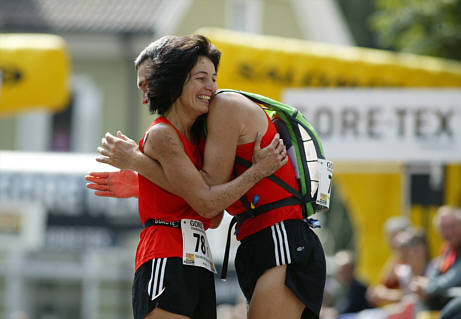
<point x="164" y="145"/>
<point x="232" y="120"/>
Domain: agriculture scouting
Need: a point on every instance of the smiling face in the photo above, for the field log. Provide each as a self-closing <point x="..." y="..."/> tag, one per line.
<point x="198" y="88"/>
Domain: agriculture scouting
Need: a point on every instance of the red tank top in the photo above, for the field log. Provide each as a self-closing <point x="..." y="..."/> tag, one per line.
<point x="156" y="203"/>
<point x="267" y="191"/>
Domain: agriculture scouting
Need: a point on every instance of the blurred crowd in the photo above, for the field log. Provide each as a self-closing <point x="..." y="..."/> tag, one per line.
<point x="412" y="284"/>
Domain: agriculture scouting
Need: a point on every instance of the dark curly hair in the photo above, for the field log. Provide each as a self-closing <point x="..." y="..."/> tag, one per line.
<point x="173" y="62"/>
<point x="152" y="50"/>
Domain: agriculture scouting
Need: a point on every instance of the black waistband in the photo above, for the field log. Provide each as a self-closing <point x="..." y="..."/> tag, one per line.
<point x="159" y="222"/>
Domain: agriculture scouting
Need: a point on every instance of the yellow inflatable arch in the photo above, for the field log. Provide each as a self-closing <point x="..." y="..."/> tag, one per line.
<point x="34" y="73"/>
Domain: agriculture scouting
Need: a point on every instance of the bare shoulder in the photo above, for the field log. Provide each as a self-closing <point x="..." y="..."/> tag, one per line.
<point x="234" y="104"/>
<point x="234" y="109"/>
<point x="162" y="139"/>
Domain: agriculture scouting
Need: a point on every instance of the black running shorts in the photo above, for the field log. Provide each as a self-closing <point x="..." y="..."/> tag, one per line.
<point x="290" y="242"/>
<point x="168" y="284"/>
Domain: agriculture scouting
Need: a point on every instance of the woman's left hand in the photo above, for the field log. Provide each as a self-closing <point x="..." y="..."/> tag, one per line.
<point x="270" y="158"/>
<point x="118" y="151"/>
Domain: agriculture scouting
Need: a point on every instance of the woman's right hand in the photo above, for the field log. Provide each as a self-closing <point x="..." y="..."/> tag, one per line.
<point x="121" y="184"/>
<point x="270" y="158"/>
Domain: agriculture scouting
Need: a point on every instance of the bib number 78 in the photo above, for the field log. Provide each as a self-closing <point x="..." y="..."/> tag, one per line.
<point x="196" y="251"/>
<point x="200" y="243"/>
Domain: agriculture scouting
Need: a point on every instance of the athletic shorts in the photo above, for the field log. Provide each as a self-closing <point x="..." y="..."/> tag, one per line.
<point x="289" y="242"/>
<point x="168" y="284"/>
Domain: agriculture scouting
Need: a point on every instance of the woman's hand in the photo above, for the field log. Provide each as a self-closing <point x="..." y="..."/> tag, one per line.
<point x="270" y="158"/>
<point x="122" y="184"/>
<point x="118" y="151"/>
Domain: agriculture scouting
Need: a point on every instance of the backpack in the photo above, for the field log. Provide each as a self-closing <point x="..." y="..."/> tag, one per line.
<point x="313" y="172"/>
<point x="304" y="150"/>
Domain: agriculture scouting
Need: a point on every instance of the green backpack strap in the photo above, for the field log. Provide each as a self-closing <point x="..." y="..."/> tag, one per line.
<point x="284" y="111"/>
<point x="273" y="178"/>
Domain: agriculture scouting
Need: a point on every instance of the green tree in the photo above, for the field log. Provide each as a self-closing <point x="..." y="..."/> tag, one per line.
<point x="426" y="27"/>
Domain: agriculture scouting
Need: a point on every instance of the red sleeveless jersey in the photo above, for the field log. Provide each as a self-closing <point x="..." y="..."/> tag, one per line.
<point x="156" y="203"/>
<point x="267" y="191"/>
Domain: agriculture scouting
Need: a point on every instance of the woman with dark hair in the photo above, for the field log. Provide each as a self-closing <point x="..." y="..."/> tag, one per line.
<point x="174" y="270"/>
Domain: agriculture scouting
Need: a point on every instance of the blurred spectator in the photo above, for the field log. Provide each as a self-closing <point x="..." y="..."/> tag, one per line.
<point x="436" y="289"/>
<point x="415" y="257"/>
<point x="344" y="294"/>
<point x="393" y="226"/>
<point x="387" y="291"/>
<point x="413" y="260"/>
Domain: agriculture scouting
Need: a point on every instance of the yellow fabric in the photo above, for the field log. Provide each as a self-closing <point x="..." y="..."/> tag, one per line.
<point x="428" y="315"/>
<point x="266" y="65"/>
<point x="36" y="71"/>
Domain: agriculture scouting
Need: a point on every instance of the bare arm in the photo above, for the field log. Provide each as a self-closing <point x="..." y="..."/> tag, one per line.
<point x="122" y="152"/>
<point x="227" y="128"/>
<point x="215" y="221"/>
<point x="223" y="129"/>
<point x="164" y="145"/>
<point x="232" y="120"/>
<point x="208" y="201"/>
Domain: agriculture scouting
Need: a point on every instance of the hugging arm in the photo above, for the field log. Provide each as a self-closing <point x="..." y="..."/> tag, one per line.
<point x="166" y="152"/>
<point x="122" y="152"/>
<point x="208" y="201"/>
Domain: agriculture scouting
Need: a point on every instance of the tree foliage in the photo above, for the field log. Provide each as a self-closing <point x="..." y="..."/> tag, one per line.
<point x="427" y="27"/>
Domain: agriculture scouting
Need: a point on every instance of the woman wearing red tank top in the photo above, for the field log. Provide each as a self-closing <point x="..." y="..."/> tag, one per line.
<point x="177" y="76"/>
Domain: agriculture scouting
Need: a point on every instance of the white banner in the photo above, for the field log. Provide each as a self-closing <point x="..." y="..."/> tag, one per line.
<point x="383" y="124"/>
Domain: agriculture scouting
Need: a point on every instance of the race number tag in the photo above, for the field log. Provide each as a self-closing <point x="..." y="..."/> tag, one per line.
<point x="325" y="175"/>
<point x="196" y="251"/>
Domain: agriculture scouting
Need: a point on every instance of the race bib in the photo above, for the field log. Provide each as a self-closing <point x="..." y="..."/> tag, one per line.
<point x="196" y="250"/>
<point x="324" y="190"/>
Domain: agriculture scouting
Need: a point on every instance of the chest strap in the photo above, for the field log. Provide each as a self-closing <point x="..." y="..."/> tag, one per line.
<point x="159" y="222"/>
<point x="243" y="162"/>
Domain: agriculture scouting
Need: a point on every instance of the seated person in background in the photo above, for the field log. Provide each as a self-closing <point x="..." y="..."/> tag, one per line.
<point x="387" y="291"/>
<point x="414" y="252"/>
<point x="411" y="247"/>
<point x="445" y="272"/>
<point x="344" y="293"/>
<point x="393" y="226"/>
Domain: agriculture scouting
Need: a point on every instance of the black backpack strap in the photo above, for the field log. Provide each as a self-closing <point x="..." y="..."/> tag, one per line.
<point x="226" y="252"/>
<point x="250" y="212"/>
<point x="273" y="178"/>
<point x="243" y="199"/>
<point x="253" y="212"/>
